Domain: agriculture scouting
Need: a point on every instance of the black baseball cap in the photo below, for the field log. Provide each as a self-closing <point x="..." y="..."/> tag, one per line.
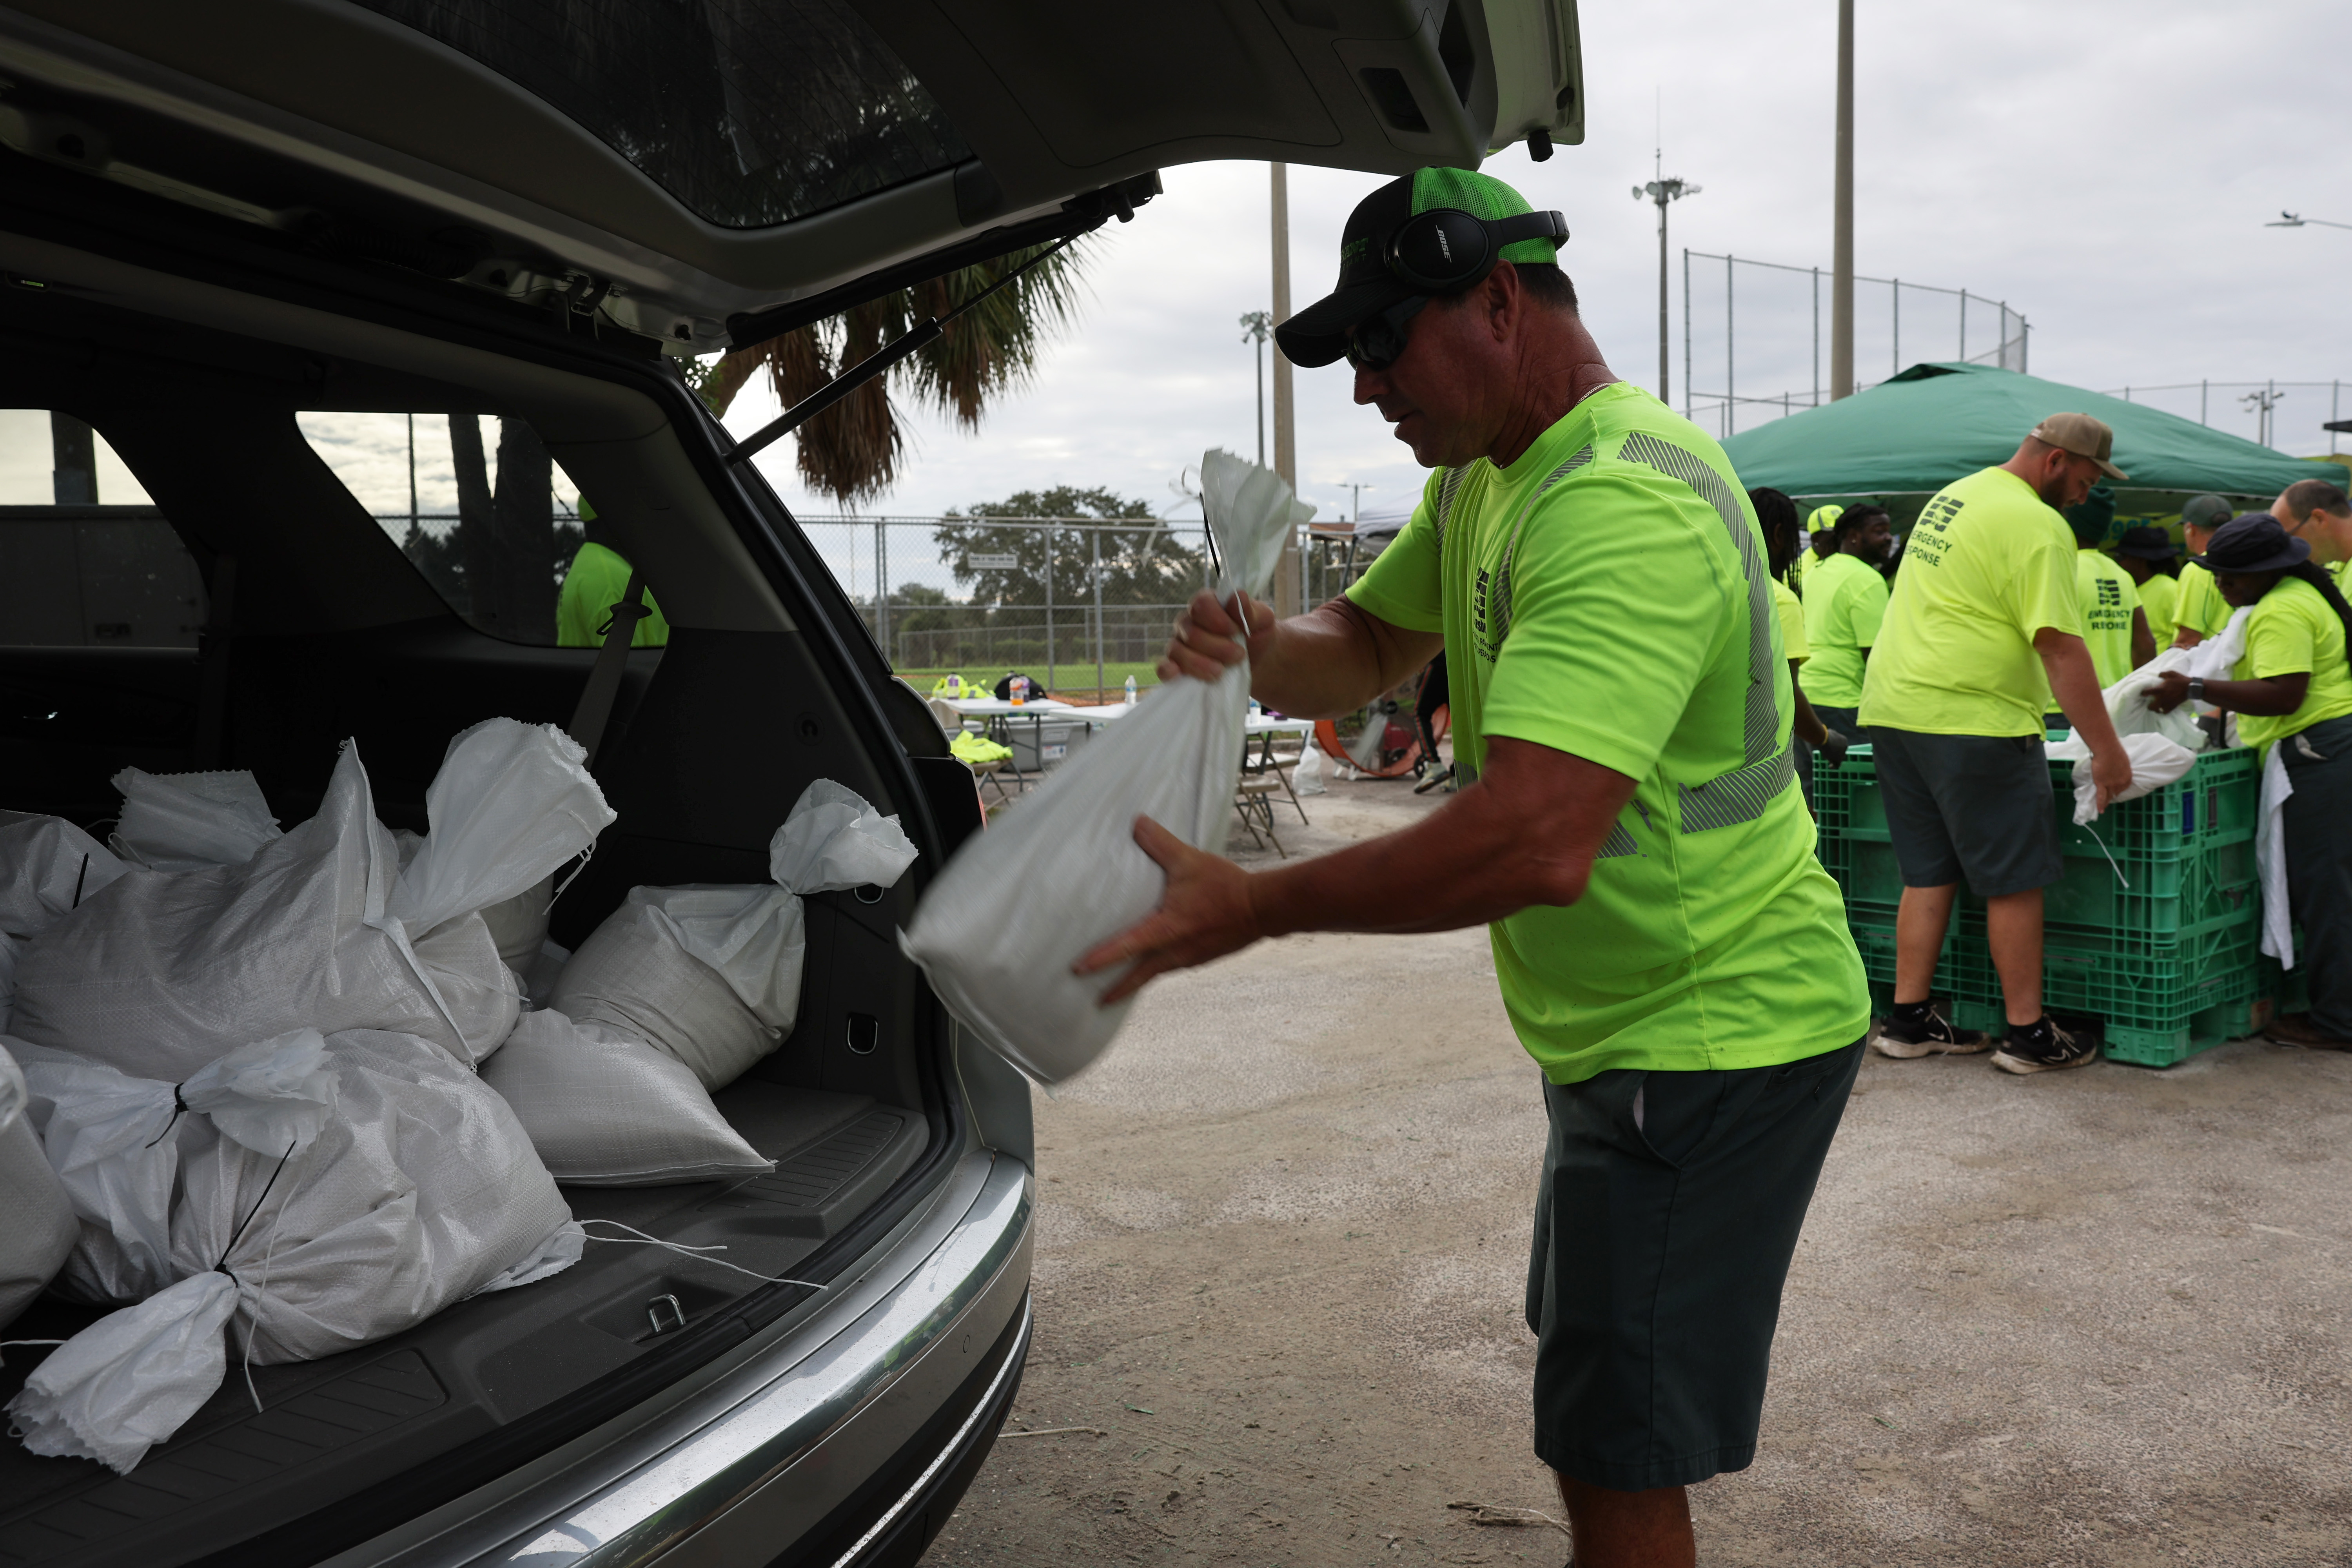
<point x="2146" y="544"/>
<point x="1319" y="334"/>
<point x="2253" y="543"/>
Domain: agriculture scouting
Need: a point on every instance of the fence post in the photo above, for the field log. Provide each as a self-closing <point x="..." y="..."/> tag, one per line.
<point x="1686" y="340"/>
<point x="1094" y="537"/>
<point x="2203" y="387"/>
<point x="2335" y="412"/>
<point x="882" y="589"/>
<point x="1898" y="328"/>
<point x="1964" y="326"/>
<point x="1049" y="607"/>
<point x="1817" y="337"/>
<point x="1730" y="385"/>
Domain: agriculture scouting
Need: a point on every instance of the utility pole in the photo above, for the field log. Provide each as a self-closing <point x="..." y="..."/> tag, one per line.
<point x="1256" y="327"/>
<point x="2261" y="400"/>
<point x="1842" y="245"/>
<point x="1661" y="190"/>
<point x="1285" y="448"/>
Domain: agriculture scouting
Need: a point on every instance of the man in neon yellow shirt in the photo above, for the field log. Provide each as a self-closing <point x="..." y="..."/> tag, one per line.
<point x="2141" y="553"/>
<point x="2198" y="611"/>
<point x="2321" y="515"/>
<point x="1628" y="829"/>
<point x="1846" y="601"/>
<point x="1985" y="625"/>
<point x="598" y="579"/>
<point x="2293" y="696"/>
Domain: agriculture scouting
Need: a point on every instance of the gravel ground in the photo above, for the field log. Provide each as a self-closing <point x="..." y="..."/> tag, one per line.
<point x="2093" y="1318"/>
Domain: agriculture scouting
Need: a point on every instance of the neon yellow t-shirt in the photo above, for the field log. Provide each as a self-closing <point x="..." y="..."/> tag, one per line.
<point x="2109" y="597"/>
<point x="1605" y="595"/>
<point x="2159" y="597"/>
<point x="2293" y="631"/>
<point x="598" y="580"/>
<point x="1846" y="601"/>
<point x="2198" y="607"/>
<point x="1987" y="565"/>
<point x="1794" y="646"/>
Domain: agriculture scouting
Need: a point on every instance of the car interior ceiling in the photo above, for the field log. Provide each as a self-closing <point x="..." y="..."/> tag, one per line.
<point x="331" y="632"/>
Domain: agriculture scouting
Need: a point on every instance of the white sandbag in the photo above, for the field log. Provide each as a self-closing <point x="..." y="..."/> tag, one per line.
<point x="605" y="1109"/>
<point x="511" y="803"/>
<point x="1306" y="778"/>
<point x="539" y="976"/>
<point x="420" y="1190"/>
<point x="999" y="930"/>
<point x="519" y="925"/>
<point x="2163" y="747"/>
<point x="178" y="822"/>
<point x="2155" y="761"/>
<point x="38" y="1229"/>
<point x="162" y="972"/>
<point x="711" y="974"/>
<point x="114" y="1142"/>
<point x="9" y="948"/>
<point x="47" y="867"/>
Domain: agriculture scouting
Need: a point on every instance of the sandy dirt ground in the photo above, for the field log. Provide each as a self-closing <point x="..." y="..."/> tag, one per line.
<point x="2096" y="1318"/>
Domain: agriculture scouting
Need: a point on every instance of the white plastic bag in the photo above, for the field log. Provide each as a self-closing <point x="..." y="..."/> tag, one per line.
<point x="47" y="867"/>
<point x="419" y="1190"/>
<point x="114" y="1142"/>
<point x="999" y="930"/>
<point x="178" y="822"/>
<point x="1306" y="778"/>
<point x="605" y="1109"/>
<point x="711" y="974"/>
<point x="38" y="1229"/>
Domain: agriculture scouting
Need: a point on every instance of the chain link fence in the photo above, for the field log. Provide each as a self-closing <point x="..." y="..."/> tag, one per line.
<point x="1756" y="336"/>
<point x="2291" y="416"/>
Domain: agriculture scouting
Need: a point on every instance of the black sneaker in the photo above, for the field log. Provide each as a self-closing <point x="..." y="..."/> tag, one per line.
<point x="1933" y="1035"/>
<point x="2044" y="1046"/>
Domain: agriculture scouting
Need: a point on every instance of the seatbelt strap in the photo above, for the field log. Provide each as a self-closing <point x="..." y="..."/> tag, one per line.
<point x="595" y="709"/>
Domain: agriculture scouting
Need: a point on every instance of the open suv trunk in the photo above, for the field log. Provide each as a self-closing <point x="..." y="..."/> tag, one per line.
<point x="219" y="222"/>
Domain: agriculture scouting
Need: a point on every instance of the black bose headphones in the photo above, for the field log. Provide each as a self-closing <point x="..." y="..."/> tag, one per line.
<point x="1447" y="250"/>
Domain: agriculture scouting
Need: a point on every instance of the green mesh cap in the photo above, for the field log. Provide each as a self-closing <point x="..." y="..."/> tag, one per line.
<point x="1319" y="334"/>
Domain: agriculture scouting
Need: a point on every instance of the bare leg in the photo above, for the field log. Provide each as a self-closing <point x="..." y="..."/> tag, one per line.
<point x="1629" y="1530"/>
<point x="2013" y="932"/>
<point x="1919" y="927"/>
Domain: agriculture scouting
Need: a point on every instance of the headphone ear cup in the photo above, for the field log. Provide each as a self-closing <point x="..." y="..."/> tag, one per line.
<point x="1442" y="251"/>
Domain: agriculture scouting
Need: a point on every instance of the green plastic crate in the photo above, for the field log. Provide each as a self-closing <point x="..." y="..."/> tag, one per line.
<point x="2138" y="1046"/>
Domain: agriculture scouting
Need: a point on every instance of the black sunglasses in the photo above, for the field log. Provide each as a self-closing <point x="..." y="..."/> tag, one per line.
<point x="1378" y="339"/>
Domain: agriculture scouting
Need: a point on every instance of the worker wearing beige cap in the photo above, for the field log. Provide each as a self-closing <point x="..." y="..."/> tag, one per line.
<point x="1985" y="625"/>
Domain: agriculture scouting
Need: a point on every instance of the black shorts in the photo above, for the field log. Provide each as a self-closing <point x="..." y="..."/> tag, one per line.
<point x="1979" y="807"/>
<point x="1669" y="1210"/>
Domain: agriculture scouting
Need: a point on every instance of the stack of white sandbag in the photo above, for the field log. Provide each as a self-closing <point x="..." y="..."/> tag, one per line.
<point x="165" y="969"/>
<point x="999" y="930"/>
<point x="678" y="994"/>
<point x="294" y="1198"/>
<point x="37" y="1224"/>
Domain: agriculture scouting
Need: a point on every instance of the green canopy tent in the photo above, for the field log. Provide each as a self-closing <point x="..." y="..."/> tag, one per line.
<point x="1905" y="440"/>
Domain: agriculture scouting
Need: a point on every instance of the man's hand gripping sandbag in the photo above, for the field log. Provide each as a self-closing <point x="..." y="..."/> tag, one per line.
<point x="999" y="930"/>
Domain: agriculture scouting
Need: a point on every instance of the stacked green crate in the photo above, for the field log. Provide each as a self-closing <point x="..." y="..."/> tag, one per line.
<point x="2153" y="928"/>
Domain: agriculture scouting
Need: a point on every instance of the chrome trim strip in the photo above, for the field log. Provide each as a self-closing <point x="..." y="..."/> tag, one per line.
<point x="1009" y="1369"/>
<point x="665" y="1501"/>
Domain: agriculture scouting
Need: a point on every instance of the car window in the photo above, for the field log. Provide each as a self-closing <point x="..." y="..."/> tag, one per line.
<point x="87" y="558"/>
<point x="749" y="114"/>
<point x="489" y="518"/>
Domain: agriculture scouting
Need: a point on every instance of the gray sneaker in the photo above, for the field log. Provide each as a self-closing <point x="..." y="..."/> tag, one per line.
<point x="2060" y="1051"/>
<point x="1935" y="1037"/>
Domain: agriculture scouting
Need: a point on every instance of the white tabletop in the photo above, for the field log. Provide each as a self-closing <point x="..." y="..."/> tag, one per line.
<point x="996" y="707"/>
<point x="1256" y="724"/>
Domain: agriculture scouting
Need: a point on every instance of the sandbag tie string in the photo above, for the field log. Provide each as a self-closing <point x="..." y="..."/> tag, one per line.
<point x="640" y="1238"/>
<point x="179" y="1108"/>
<point x="2109" y="854"/>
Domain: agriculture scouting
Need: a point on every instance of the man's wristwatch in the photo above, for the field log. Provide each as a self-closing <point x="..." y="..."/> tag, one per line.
<point x="2196" y="689"/>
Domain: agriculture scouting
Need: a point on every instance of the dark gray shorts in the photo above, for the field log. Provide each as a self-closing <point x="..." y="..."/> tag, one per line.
<point x="1977" y="807"/>
<point x="1660" y="1251"/>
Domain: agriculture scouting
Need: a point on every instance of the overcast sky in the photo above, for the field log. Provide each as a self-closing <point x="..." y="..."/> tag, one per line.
<point x="2106" y="166"/>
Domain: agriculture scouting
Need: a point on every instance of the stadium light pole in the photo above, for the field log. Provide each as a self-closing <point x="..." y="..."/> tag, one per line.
<point x="2297" y="220"/>
<point x="1661" y="190"/>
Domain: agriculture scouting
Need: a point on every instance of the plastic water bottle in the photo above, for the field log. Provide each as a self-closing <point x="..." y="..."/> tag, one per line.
<point x="1130" y="692"/>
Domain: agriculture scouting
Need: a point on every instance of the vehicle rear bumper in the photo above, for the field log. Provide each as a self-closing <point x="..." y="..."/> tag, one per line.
<point x="848" y="1433"/>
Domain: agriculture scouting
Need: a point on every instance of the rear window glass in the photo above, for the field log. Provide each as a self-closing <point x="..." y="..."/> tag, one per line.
<point x="87" y="558"/>
<point x="749" y="114"/>
<point x="493" y="522"/>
